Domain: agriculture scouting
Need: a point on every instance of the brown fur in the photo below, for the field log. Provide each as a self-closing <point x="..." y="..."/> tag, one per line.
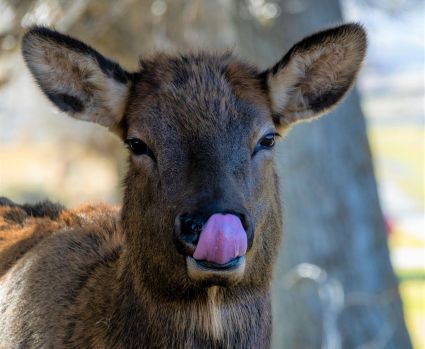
<point x="98" y="278"/>
<point x="21" y="229"/>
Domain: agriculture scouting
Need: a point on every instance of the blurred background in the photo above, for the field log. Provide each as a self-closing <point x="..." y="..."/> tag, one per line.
<point x="351" y="273"/>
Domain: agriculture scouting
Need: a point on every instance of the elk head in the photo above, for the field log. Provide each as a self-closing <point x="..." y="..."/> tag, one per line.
<point x="201" y="204"/>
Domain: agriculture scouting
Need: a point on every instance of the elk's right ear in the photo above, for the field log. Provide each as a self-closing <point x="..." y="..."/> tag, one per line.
<point x="76" y="78"/>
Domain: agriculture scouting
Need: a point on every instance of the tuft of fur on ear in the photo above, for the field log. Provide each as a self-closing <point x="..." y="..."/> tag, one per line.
<point x="76" y="78"/>
<point x="316" y="73"/>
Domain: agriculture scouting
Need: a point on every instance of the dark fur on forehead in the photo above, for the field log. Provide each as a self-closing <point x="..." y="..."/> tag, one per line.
<point x="205" y="81"/>
<point x="176" y="71"/>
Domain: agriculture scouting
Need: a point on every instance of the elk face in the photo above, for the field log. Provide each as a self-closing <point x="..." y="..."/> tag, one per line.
<point x="201" y="205"/>
<point x="200" y="128"/>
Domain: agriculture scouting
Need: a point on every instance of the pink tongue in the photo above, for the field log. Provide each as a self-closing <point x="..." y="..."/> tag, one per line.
<point x="222" y="239"/>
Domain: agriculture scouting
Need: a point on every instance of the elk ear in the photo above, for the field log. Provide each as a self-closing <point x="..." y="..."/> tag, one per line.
<point x="76" y="78"/>
<point x="315" y="74"/>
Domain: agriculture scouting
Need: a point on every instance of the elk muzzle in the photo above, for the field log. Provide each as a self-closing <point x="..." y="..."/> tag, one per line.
<point x="215" y="247"/>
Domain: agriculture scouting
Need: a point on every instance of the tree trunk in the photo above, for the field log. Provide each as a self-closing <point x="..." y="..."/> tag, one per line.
<point x="334" y="285"/>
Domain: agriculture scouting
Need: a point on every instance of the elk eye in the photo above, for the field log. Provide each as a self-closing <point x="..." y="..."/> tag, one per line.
<point x="138" y="147"/>
<point x="267" y="142"/>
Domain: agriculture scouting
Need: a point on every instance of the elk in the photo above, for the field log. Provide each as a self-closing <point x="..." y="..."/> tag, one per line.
<point x="187" y="261"/>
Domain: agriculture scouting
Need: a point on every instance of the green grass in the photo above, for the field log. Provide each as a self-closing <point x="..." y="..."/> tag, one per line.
<point x="413" y="295"/>
<point x="399" y="153"/>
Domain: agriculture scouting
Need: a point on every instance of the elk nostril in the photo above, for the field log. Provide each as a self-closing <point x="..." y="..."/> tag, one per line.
<point x="196" y="227"/>
<point x="191" y="228"/>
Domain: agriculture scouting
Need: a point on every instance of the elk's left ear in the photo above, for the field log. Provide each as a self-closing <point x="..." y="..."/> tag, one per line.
<point x="315" y="74"/>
